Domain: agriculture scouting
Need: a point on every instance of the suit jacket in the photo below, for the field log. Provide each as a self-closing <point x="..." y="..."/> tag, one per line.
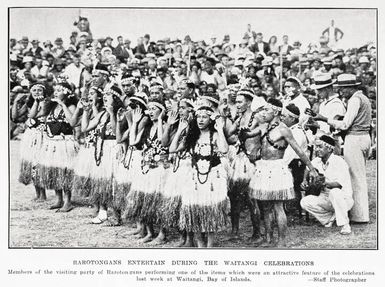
<point x="37" y="51"/>
<point x="121" y="53"/>
<point x="255" y="49"/>
<point x="289" y="49"/>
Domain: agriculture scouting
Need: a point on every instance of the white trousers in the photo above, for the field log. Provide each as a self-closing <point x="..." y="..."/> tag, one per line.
<point x="327" y="205"/>
<point x="356" y="151"/>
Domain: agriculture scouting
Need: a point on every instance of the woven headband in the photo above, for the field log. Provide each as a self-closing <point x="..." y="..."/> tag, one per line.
<point x="286" y="111"/>
<point x="158" y="105"/>
<point x="274" y="107"/>
<point x="38" y="85"/>
<point x="112" y="92"/>
<point x="139" y="100"/>
<point x="325" y="144"/>
<point x="210" y="99"/>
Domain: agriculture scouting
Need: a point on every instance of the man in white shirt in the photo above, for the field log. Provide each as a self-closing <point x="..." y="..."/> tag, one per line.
<point x="294" y="96"/>
<point x="290" y="116"/>
<point x="74" y="70"/>
<point x="356" y="123"/>
<point x="40" y="70"/>
<point x="335" y="199"/>
<point x="331" y="105"/>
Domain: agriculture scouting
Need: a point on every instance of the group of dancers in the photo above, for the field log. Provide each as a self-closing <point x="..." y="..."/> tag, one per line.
<point x="177" y="163"/>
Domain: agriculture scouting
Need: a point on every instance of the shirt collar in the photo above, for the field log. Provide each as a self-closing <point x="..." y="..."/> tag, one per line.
<point x="334" y="96"/>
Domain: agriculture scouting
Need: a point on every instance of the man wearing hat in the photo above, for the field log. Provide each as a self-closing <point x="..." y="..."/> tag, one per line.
<point x="356" y="123"/>
<point x="58" y="51"/>
<point x="25" y="45"/>
<point x="26" y="72"/>
<point x="124" y="52"/>
<point x="335" y="199"/>
<point x="108" y="43"/>
<point x="331" y="104"/>
<point x="36" y="50"/>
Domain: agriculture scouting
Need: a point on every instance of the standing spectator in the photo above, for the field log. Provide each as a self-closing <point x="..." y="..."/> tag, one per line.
<point x="260" y="46"/>
<point x="273" y="45"/>
<point x="285" y="48"/>
<point x="73" y="72"/>
<point x="356" y="122"/>
<point x="331" y="105"/>
<point x="36" y="50"/>
<point x="293" y="92"/>
<point x="59" y="50"/>
<point x="333" y="34"/>
<point x="124" y="52"/>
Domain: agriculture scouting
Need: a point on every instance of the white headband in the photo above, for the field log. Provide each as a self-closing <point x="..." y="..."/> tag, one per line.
<point x="112" y="92"/>
<point x="156" y="104"/>
<point x="286" y="111"/>
<point x="273" y="107"/>
<point x="39" y="85"/>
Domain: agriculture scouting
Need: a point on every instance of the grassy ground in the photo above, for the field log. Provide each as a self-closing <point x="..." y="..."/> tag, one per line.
<point x="33" y="225"/>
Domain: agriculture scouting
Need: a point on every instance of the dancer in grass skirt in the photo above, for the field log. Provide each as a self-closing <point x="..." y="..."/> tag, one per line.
<point x="242" y="163"/>
<point x="127" y="168"/>
<point x="91" y="109"/>
<point x="272" y="181"/>
<point x="204" y="205"/>
<point x="106" y="155"/>
<point x="57" y="156"/>
<point x="32" y="139"/>
<point x="145" y="195"/>
<point x="172" y="198"/>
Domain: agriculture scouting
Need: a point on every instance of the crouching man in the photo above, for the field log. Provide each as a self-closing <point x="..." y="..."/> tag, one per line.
<point x="336" y="197"/>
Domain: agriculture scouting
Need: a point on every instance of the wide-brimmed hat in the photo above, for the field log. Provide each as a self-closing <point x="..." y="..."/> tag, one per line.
<point x="347" y="80"/>
<point x="322" y="81"/>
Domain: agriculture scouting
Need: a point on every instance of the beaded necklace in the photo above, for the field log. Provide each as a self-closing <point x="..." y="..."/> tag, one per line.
<point x="269" y="140"/>
<point x="242" y="147"/>
<point x="99" y="141"/>
<point x="198" y="156"/>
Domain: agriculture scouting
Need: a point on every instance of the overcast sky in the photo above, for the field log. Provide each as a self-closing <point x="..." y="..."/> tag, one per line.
<point x="306" y="26"/>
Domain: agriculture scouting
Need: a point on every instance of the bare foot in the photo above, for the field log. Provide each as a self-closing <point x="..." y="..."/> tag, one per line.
<point x="158" y="241"/>
<point x="112" y="222"/>
<point x="135" y="231"/>
<point x="282" y="243"/>
<point x="146" y="239"/>
<point x="66" y="208"/>
<point x="57" y="205"/>
<point x="43" y="195"/>
<point x="257" y="240"/>
<point x="141" y="234"/>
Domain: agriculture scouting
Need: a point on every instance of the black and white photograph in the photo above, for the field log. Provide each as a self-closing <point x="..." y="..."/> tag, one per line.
<point x="184" y="128"/>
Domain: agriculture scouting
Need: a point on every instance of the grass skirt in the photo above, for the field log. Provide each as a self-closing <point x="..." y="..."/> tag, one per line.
<point x="84" y="163"/>
<point x="174" y="188"/>
<point x="30" y="146"/>
<point x="123" y="177"/>
<point x="272" y="180"/>
<point x="55" y="167"/>
<point x="205" y="207"/>
<point x="145" y="196"/>
<point x="102" y="181"/>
